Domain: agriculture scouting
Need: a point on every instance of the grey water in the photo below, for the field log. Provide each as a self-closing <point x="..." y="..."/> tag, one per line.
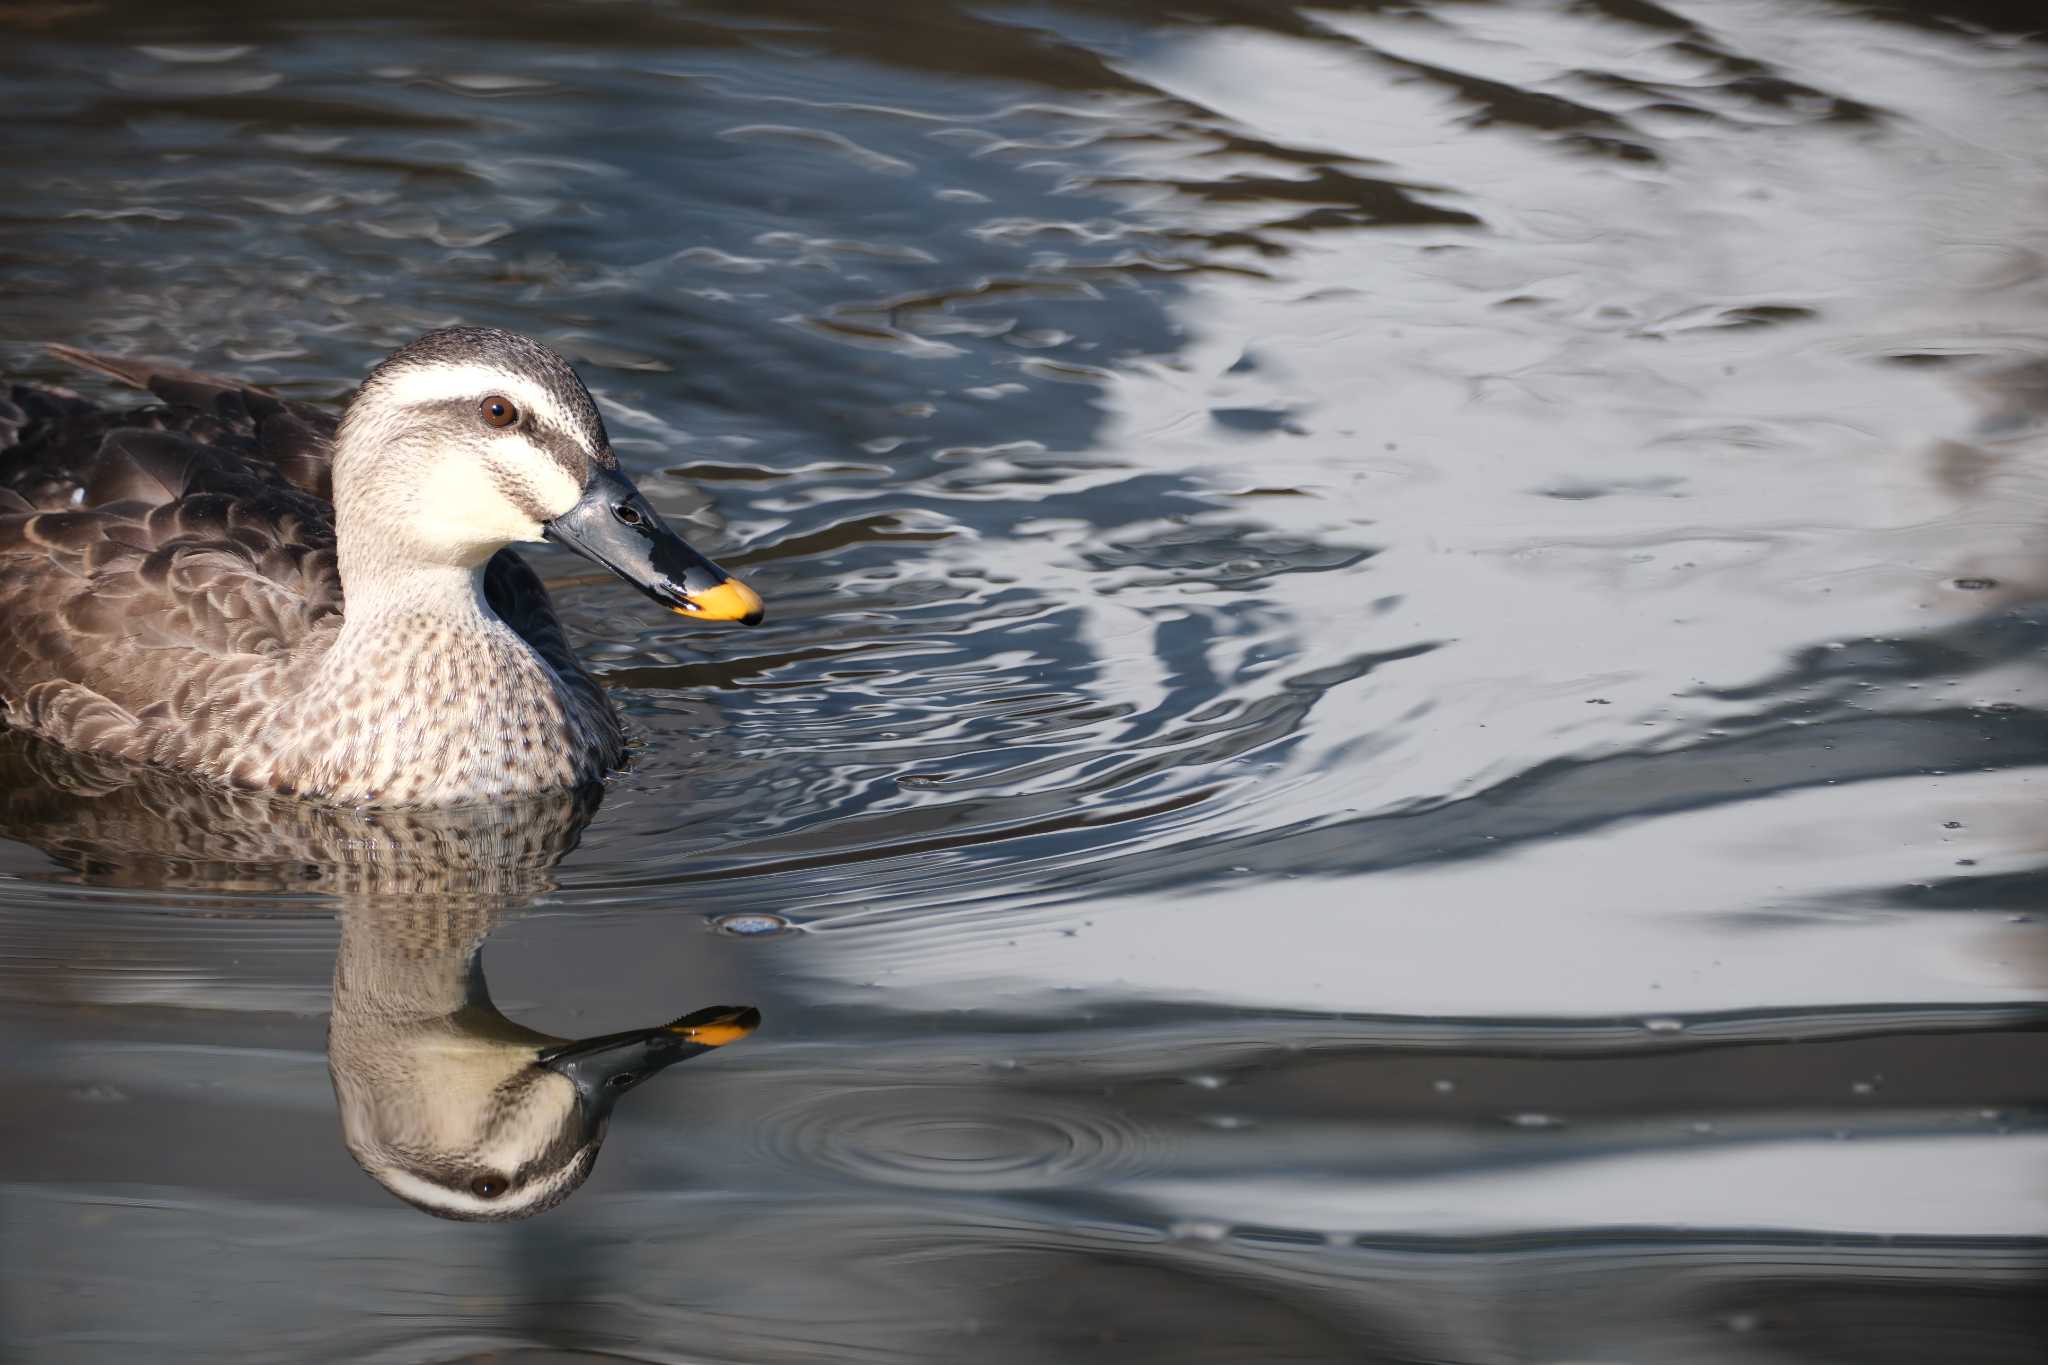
<point x="1402" y="716"/>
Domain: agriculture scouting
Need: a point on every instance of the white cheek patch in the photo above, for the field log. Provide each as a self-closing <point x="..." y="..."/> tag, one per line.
<point x="553" y="489"/>
<point x="446" y="383"/>
<point x="462" y="510"/>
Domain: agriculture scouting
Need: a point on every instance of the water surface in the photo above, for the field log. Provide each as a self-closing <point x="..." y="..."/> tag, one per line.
<point x="1401" y="720"/>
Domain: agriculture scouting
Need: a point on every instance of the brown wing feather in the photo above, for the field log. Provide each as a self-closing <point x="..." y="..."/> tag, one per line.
<point x="179" y="575"/>
<point x="141" y="372"/>
<point x="295" y="438"/>
<point x="158" y="560"/>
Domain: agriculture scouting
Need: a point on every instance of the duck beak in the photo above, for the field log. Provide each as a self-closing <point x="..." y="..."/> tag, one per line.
<point x="614" y="526"/>
<point x="607" y="1067"/>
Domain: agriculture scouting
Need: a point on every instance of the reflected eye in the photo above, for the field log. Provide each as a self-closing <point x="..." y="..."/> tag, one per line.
<point x="487" y="1186"/>
<point x="498" y="411"/>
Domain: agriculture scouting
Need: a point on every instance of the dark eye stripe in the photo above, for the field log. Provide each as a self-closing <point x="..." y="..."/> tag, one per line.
<point x="558" y="444"/>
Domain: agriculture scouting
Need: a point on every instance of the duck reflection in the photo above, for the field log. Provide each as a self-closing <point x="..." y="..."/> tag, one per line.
<point x="444" y="1101"/>
<point x="450" y="1105"/>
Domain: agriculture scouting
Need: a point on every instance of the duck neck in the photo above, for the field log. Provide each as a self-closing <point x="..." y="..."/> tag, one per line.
<point x="423" y="639"/>
<point x="389" y="569"/>
<point x="403" y="959"/>
<point x="448" y="596"/>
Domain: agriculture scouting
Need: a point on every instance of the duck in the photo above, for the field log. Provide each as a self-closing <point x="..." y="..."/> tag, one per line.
<point x="453" y="1107"/>
<point x="255" y="591"/>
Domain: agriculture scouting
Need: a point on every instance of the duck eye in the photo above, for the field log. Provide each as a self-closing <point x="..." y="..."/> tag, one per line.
<point x="498" y="411"/>
<point x="627" y="513"/>
<point x="487" y="1186"/>
<point x="624" y="1080"/>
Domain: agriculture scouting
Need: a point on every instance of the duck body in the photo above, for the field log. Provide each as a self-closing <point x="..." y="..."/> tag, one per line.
<point x="242" y="587"/>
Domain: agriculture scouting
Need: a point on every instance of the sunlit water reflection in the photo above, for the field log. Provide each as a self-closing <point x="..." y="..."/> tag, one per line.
<point x="1401" y="716"/>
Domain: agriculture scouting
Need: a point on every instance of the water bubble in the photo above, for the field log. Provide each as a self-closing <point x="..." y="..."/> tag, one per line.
<point x="1226" y="1123"/>
<point x="1444" y="1087"/>
<point x="752" y="924"/>
<point x="99" y="1093"/>
<point x="1199" y="1230"/>
<point x="1534" y="1120"/>
<point x="1206" y="1081"/>
<point x="1664" y="1024"/>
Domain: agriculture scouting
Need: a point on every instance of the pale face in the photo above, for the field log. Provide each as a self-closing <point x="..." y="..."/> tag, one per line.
<point x="471" y="439"/>
<point x="494" y="454"/>
<point x="467" y="1127"/>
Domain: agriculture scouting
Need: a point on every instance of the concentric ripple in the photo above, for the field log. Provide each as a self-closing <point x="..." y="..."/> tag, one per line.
<point x="960" y="1138"/>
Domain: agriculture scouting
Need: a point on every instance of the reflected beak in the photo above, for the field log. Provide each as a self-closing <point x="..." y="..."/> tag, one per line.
<point x="614" y="526"/>
<point x="606" y="1067"/>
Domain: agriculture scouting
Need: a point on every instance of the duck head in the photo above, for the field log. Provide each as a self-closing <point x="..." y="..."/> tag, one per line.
<point x="471" y="439"/>
<point x="453" y="1107"/>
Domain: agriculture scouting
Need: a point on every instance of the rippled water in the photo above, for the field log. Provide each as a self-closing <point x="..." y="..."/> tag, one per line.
<point x="1401" y="716"/>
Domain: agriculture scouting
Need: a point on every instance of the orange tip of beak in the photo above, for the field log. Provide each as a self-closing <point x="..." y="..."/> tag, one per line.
<point x="731" y="600"/>
<point x="717" y="1026"/>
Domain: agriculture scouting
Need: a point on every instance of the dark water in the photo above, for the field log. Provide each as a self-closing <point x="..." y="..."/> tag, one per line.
<point x="1402" y="717"/>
